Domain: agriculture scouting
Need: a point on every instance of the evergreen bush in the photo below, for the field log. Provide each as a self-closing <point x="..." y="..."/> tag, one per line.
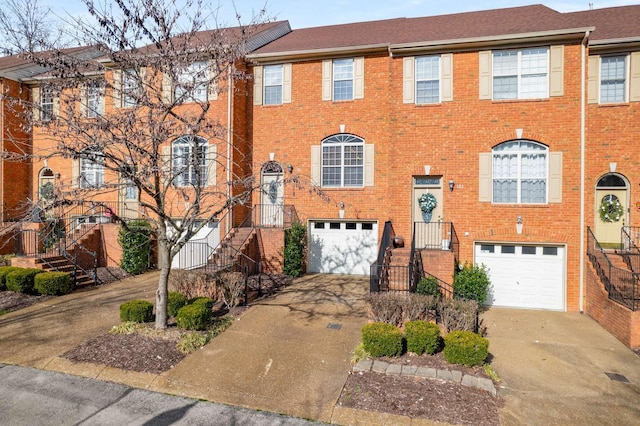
<point x="193" y="317"/>
<point x="21" y="280"/>
<point x="175" y="301"/>
<point x="53" y="283"/>
<point x="294" y="250"/>
<point x="428" y="286"/>
<point x="4" y="270"/>
<point x="135" y="240"/>
<point x="382" y="339"/>
<point x="466" y="348"/>
<point x="422" y="336"/>
<point x="472" y="283"/>
<point x="136" y="311"/>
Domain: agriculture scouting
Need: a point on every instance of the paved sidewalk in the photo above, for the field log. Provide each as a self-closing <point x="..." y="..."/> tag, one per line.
<point x="288" y="354"/>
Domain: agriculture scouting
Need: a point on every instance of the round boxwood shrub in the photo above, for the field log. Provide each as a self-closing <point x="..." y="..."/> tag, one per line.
<point x="193" y="317"/>
<point x="205" y="301"/>
<point x="465" y="347"/>
<point x="4" y="270"/>
<point x="21" y="280"/>
<point x="422" y="336"/>
<point x="136" y="311"/>
<point x="53" y="283"/>
<point x="175" y="301"/>
<point x="382" y="339"/>
<point x="472" y="283"/>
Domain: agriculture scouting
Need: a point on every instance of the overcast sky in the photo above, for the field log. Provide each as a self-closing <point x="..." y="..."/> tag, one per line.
<point x="312" y="13"/>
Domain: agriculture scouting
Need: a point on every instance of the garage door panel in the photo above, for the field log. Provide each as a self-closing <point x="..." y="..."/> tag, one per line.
<point x="529" y="277"/>
<point x="342" y="247"/>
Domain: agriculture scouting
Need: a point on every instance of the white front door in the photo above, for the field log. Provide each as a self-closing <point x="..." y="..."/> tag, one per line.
<point x="272" y="203"/>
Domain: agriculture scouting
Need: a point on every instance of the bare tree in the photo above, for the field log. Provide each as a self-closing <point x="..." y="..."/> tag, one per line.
<point x="137" y="103"/>
<point x="26" y="25"/>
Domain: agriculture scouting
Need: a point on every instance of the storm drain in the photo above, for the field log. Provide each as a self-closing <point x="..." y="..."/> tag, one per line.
<point x="334" y="326"/>
<point x="617" y="377"/>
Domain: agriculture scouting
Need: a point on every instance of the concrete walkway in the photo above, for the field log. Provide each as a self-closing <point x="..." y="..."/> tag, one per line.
<point x="553" y="368"/>
<point x="288" y="354"/>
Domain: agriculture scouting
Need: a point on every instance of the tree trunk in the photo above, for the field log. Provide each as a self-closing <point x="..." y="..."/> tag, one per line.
<point x="163" y="285"/>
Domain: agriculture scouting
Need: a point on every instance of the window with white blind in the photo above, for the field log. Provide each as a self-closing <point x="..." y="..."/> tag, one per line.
<point x="343" y="161"/>
<point x="129" y="88"/>
<point x="91" y="168"/>
<point x="427" y="79"/>
<point x="520" y="172"/>
<point x="343" y="79"/>
<point x="193" y="83"/>
<point x="46" y="103"/>
<point x="273" y="84"/>
<point x="521" y="74"/>
<point x="189" y="161"/>
<point x="95" y="104"/>
<point x="613" y="81"/>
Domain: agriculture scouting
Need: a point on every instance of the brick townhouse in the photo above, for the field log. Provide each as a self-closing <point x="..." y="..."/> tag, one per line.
<point x="520" y="123"/>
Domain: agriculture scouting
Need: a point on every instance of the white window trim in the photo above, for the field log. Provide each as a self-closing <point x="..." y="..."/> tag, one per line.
<point x="47" y="103"/>
<point x="439" y="80"/>
<point x="519" y="153"/>
<point x="94" y="168"/>
<point x="183" y="179"/>
<point x="347" y="141"/>
<point x="265" y="85"/>
<point x="190" y="74"/>
<point x="97" y="93"/>
<point x="627" y="73"/>
<point x="519" y="74"/>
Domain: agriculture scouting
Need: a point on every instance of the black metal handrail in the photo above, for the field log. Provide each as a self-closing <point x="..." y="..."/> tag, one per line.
<point x="274" y="215"/>
<point x="631" y="252"/>
<point x="376" y="268"/>
<point x="620" y="284"/>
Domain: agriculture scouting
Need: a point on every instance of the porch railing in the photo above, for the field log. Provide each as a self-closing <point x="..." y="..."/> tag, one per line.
<point x="620" y="284"/>
<point x="274" y="215"/>
<point x="630" y="239"/>
<point x="376" y="269"/>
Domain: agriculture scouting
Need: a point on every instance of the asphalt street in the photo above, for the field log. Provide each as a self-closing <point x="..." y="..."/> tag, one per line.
<point x="36" y="397"/>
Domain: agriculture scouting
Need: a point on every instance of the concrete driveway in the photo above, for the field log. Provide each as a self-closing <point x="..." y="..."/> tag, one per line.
<point x="554" y="366"/>
<point x="288" y="354"/>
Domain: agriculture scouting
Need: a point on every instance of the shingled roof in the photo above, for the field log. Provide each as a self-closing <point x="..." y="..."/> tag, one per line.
<point x="612" y="23"/>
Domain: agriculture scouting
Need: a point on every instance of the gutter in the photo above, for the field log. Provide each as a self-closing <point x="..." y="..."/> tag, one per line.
<point x="583" y="112"/>
<point x="229" y="133"/>
<point x="329" y="52"/>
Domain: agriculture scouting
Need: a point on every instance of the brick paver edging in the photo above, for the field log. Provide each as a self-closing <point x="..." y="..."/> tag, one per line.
<point x="425" y="373"/>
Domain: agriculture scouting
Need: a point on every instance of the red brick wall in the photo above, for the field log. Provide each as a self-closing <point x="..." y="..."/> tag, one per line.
<point x="613" y="317"/>
<point x="272" y="242"/>
<point x="448" y="136"/>
<point x="439" y="263"/>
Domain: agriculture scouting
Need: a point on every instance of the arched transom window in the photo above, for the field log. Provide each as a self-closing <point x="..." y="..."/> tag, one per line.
<point x="343" y="161"/>
<point x="520" y="172"/>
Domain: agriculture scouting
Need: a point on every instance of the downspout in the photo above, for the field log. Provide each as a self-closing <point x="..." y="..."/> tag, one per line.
<point x="583" y="112"/>
<point x="229" y="142"/>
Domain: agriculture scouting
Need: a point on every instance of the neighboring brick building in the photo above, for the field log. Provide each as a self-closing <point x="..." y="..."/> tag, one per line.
<point x="488" y="111"/>
<point x="521" y="122"/>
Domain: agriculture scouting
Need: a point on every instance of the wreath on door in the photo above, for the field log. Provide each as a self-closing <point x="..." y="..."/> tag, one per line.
<point x="610" y="209"/>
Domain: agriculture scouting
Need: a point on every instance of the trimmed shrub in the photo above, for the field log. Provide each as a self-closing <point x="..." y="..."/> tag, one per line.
<point x="175" y="301"/>
<point x="428" y="286"/>
<point x="135" y="240"/>
<point x="472" y="283"/>
<point x="204" y="301"/>
<point x="4" y="270"/>
<point x="21" y="280"/>
<point x="422" y="336"/>
<point x="465" y="347"/>
<point x="193" y="317"/>
<point x="53" y="283"/>
<point x="294" y="249"/>
<point x="458" y="314"/>
<point x="382" y="339"/>
<point x="136" y="311"/>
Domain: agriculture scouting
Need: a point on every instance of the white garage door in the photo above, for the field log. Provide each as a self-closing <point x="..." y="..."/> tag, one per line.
<point x="524" y="276"/>
<point x="342" y="247"/>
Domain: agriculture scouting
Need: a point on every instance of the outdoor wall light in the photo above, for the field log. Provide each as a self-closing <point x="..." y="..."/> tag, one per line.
<point x="341" y="211"/>
<point x="451" y="185"/>
<point x="290" y="168"/>
<point x="519" y="224"/>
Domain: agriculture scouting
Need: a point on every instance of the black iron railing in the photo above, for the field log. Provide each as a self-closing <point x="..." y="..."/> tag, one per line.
<point x="630" y="238"/>
<point x="620" y="284"/>
<point x="376" y="269"/>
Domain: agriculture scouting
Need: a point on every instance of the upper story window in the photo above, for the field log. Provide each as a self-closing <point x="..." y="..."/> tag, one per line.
<point x="519" y="172"/>
<point x="189" y="161"/>
<point x="273" y="84"/>
<point x="613" y="79"/>
<point x="91" y="168"/>
<point x="343" y="161"/>
<point x="192" y="83"/>
<point x="521" y="74"/>
<point x="129" y="88"/>
<point x="95" y="101"/>
<point x="46" y="103"/>
<point x="343" y="79"/>
<point x="427" y="79"/>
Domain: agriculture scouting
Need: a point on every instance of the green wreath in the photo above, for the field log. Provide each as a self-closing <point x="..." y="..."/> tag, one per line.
<point x="611" y="210"/>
